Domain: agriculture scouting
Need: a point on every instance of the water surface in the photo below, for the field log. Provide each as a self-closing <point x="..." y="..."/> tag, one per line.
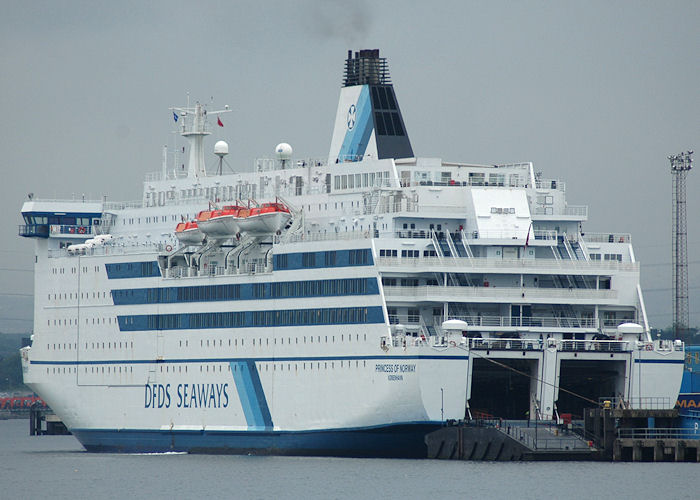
<point x="56" y="467"/>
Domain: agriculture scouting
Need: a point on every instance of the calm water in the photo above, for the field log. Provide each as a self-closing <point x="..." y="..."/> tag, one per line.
<point x="57" y="467"/>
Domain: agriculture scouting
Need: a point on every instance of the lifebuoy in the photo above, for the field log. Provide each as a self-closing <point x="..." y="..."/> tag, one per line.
<point x="453" y="343"/>
<point x="168" y="248"/>
<point x="649" y="347"/>
<point x="81" y="230"/>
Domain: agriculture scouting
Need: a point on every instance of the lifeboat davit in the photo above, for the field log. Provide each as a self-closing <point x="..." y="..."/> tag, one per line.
<point x="220" y="223"/>
<point x="188" y="233"/>
<point x="266" y="219"/>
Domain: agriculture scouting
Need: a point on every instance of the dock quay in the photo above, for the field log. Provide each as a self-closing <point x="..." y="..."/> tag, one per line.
<point x="629" y="435"/>
<point x="509" y="440"/>
<point x="606" y="434"/>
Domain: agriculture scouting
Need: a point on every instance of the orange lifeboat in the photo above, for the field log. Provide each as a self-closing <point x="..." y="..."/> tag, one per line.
<point x="266" y="219"/>
<point x="188" y="233"/>
<point x="220" y="223"/>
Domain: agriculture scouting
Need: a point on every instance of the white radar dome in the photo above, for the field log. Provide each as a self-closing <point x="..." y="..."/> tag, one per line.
<point x="221" y="148"/>
<point x="284" y="151"/>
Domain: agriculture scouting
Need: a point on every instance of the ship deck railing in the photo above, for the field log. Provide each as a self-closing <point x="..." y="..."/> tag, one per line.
<point x="508" y="344"/>
<point x="113" y="249"/>
<point x="527" y="344"/>
<point x="636" y="403"/>
<point x="249" y="268"/>
<point x="537" y="235"/>
<point x="569" y="211"/>
<point x="607" y="238"/>
<point x="658" y="433"/>
<point x="340" y="236"/>
<point x="531" y="321"/>
<point x="483" y="262"/>
<point x="498" y="294"/>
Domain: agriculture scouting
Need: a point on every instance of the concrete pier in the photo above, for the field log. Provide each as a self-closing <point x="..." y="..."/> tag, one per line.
<point x="656" y="450"/>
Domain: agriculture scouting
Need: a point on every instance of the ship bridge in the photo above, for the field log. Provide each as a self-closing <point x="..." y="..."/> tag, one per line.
<point x="78" y="219"/>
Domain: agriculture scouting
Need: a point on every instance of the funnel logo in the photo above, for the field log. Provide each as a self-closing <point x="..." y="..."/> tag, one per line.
<point x="351" y="117"/>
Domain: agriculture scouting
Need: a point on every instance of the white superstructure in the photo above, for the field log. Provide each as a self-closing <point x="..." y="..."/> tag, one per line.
<point x="319" y="329"/>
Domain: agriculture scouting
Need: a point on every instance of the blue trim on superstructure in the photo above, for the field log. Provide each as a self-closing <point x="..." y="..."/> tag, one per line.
<point x="247" y="291"/>
<point x="356" y="138"/>
<point x="290" y="359"/>
<point x="251" y="394"/>
<point x="122" y="270"/>
<point x="248" y="319"/>
<point x="398" y="440"/>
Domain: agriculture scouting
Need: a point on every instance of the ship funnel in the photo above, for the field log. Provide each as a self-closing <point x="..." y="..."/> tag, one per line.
<point x="368" y="122"/>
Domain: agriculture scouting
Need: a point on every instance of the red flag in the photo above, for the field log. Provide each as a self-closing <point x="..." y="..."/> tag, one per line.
<point x="218" y="120"/>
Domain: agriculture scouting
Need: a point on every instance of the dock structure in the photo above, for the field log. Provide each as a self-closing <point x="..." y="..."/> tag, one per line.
<point x="657" y="445"/>
<point x="609" y="433"/>
<point x="44" y="422"/>
<point x="628" y="435"/>
<point x="508" y="440"/>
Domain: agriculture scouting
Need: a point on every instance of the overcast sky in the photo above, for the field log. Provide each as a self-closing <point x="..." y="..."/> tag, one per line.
<point x="597" y="94"/>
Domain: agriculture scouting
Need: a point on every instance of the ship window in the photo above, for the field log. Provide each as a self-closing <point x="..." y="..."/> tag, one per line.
<point x="381" y="129"/>
<point x="390" y="97"/>
<point x="375" y="98"/>
<point x="382" y="97"/>
<point x="388" y="124"/>
<point x="397" y="124"/>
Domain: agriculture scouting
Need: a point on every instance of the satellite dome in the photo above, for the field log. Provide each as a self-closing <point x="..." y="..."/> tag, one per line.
<point x="284" y="151"/>
<point x="221" y="148"/>
<point x="455" y="324"/>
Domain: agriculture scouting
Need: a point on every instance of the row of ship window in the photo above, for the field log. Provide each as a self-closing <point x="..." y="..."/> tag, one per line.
<point x="278" y="290"/>
<point x="148" y="269"/>
<point x="234" y="342"/>
<point x="205" y="368"/>
<point x="285" y="317"/>
<point x="340" y="204"/>
<point x="74" y="270"/>
<point x="91" y="345"/>
<point x="92" y="369"/>
<point x="210" y="343"/>
<point x="74" y="321"/>
<point x="406" y="253"/>
<point x="607" y="256"/>
<point x="154" y="220"/>
<point x="334" y="258"/>
<point x="83" y="295"/>
<point x="358" y="181"/>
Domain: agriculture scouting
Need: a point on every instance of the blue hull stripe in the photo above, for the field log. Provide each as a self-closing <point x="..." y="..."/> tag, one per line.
<point x="229" y="360"/>
<point x="405" y="440"/>
<point x="251" y="394"/>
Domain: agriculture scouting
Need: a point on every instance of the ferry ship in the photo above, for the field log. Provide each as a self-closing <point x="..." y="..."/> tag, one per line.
<point x="344" y="305"/>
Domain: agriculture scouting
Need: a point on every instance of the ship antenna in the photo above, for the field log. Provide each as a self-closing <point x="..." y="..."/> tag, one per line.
<point x="195" y="128"/>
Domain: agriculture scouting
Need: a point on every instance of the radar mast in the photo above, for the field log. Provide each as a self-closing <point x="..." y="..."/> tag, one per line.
<point x="194" y="127"/>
